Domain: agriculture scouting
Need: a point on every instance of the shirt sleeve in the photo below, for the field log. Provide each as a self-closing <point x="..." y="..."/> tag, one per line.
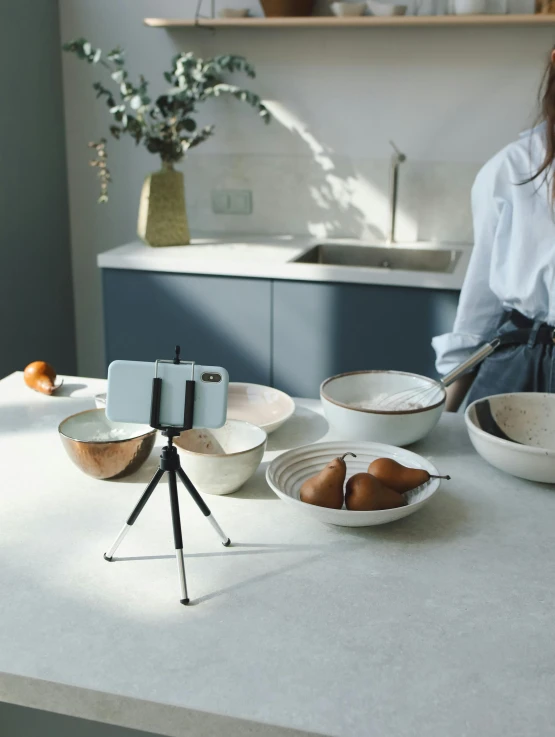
<point x="480" y="312"/>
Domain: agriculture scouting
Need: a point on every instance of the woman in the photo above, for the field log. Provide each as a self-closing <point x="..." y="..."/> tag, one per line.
<point x="509" y="289"/>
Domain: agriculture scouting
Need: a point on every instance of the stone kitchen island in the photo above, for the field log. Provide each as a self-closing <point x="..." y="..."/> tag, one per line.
<point x="439" y="624"/>
<point x="250" y="306"/>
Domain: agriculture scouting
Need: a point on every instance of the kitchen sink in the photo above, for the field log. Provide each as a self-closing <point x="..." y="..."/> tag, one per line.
<point x="441" y="261"/>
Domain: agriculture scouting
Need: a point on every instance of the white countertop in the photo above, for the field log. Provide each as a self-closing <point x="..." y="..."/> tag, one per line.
<point x="271" y="258"/>
<point x="439" y="625"/>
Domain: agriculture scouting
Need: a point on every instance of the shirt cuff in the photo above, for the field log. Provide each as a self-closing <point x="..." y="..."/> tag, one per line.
<point x="452" y="349"/>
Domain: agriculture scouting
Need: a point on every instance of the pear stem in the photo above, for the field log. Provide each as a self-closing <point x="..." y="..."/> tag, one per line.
<point x="347" y="454"/>
<point x="447" y="478"/>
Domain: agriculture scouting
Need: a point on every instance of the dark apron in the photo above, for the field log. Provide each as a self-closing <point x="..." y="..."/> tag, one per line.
<point x="523" y="363"/>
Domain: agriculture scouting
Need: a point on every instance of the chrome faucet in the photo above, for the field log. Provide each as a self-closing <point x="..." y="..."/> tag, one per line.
<point x="396" y="160"/>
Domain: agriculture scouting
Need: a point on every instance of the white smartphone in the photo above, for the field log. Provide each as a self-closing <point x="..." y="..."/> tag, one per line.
<point x="130" y="393"/>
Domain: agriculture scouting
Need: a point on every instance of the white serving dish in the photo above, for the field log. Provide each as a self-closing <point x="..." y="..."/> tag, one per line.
<point x="529" y="418"/>
<point x="348" y="9"/>
<point x="233" y="13"/>
<point x="100" y="401"/>
<point x="344" y="398"/>
<point x="220" y="461"/>
<point x="289" y="471"/>
<point x="261" y="405"/>
<point x="383" y="9"/>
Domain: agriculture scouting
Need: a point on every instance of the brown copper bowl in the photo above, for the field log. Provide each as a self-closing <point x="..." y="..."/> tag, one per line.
<point x="105" y="449"/>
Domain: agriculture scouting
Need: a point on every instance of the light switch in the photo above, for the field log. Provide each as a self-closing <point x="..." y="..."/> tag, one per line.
<point x="232" y="201"/>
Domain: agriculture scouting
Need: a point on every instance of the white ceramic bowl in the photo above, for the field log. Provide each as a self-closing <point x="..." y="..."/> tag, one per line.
<point x="383" y="9"/>
<point x="348" y="400"/>
<point x="469" y="7"/>
<point x="527" y="418"/>
<point x="289" y="471"/>
<point x="220" y="461"/>
<point x="261" y="405"/>
<point x="348" y="9"/>
<point x="100" y="401"/>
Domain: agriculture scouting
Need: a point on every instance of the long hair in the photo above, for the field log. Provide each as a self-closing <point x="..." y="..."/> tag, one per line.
<point x="547" y="116"/>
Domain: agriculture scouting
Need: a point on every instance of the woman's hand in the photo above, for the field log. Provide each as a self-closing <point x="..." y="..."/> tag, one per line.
<point x="457" y="392"/>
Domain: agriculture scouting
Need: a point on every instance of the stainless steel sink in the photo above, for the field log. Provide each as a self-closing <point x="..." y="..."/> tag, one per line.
<point x="383" y="257"/>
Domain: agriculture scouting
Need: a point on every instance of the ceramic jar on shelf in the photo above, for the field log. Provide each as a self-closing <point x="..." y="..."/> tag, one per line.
<point x="284" y="8"/>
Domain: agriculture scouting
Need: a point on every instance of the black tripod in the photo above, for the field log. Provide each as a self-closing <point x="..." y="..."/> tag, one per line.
<point x="169" y="462"/>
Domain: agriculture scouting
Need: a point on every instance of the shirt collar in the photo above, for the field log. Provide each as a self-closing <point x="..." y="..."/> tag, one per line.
<point x="530" y="132"/>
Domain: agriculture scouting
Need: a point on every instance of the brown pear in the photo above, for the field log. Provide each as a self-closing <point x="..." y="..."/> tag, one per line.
<point x="366" y="493"/>
<point x="326" y="488"/>
<point x="399" y="477"/>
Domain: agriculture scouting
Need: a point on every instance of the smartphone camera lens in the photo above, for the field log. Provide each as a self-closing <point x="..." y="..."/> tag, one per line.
<point x="211" y="378"/>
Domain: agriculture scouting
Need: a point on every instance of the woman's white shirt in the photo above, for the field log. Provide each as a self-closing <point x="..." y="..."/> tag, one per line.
<point x="513" y="260"/>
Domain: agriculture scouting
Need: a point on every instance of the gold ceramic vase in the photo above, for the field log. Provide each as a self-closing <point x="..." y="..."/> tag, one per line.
<point x="162" y="214"/>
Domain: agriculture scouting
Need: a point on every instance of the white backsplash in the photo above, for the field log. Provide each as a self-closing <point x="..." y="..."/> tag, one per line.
<point x="332" y="195"/>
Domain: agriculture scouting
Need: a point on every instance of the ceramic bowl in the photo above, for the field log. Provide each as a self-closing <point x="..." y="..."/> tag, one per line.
<point x="105" y="449"/>
<point x="469" y="7"/>
<point x="100" y="401"/>
<point x="220" y="461"/>
<point x="356" y="407"/>
<point x="289" y="471"/>
<point x="261" y="405"/>
<point x="529" y="419"/>
<point x="383" y="9"/>
<point x="348" y="9"/>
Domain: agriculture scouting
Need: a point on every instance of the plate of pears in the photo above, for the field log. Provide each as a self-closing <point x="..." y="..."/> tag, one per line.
<point x="354" y="484"/>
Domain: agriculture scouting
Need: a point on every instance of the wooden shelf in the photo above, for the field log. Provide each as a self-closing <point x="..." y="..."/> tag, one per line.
<point x="356" y="21"/>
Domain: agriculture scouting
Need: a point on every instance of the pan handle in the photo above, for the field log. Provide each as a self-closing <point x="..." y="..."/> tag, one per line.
<point x="471" y="362"/>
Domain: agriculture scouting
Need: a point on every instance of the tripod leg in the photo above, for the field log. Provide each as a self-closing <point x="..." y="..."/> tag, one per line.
<point x="134" y="514"/>
<point x="176" y="522"/>
<point x="201" y="504"/>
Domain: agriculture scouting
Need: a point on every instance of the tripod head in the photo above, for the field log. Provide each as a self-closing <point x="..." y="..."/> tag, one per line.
<point x="169" y="431"/>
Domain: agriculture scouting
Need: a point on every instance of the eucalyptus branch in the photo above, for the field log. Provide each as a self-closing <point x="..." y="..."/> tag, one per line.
<point x="101" y="163"/>
<point x="166" y="125"/>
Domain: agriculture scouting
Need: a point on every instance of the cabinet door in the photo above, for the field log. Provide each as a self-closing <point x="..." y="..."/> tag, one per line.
<point x="320" y="330"/>
<point x="217" y="321"/>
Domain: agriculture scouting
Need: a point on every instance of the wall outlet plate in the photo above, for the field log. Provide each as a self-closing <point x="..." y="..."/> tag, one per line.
<point x="232" y="201"/>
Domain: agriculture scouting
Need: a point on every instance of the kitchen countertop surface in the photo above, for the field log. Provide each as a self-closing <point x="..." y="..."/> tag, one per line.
<point x="271" y="258"/>
<point x="440" y="624"/>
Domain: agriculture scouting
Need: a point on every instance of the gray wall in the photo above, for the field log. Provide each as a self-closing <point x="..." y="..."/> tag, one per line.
<point x="36" y="303"/>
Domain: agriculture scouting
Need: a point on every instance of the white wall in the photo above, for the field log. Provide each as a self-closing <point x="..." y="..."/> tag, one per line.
<point x="448" y="97"/>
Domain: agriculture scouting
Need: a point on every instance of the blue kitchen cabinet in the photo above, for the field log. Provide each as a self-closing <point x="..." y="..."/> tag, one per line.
<point x="323" y="329"/>
<point x="221" y="321"/>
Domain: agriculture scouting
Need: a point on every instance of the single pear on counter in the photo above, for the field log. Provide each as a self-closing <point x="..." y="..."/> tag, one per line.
<point x="366" y="493"/>
<point x="326" y="488"/>
<point x="399" y="477"/>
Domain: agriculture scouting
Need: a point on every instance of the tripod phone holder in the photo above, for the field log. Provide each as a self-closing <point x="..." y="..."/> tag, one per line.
<point x="170" y="464"/>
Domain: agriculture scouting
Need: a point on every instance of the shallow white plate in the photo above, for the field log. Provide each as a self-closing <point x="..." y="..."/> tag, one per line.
<point x="261" y="405"/>
<point x="289" y="471"/>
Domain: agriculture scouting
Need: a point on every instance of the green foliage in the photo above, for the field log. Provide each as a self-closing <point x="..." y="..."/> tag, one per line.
<point x="165" y="125"/>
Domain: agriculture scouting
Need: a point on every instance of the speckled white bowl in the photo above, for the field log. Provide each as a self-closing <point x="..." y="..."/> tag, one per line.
<point x="287" y="473"/>
<point x="343" y="397"/>
<point x="261" y="405"/>
<point x="528" y="418"/>
<point x="220" y="461"/>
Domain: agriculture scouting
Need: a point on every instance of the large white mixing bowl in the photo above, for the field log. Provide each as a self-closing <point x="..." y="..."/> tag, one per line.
<point x="356" y="407"/>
